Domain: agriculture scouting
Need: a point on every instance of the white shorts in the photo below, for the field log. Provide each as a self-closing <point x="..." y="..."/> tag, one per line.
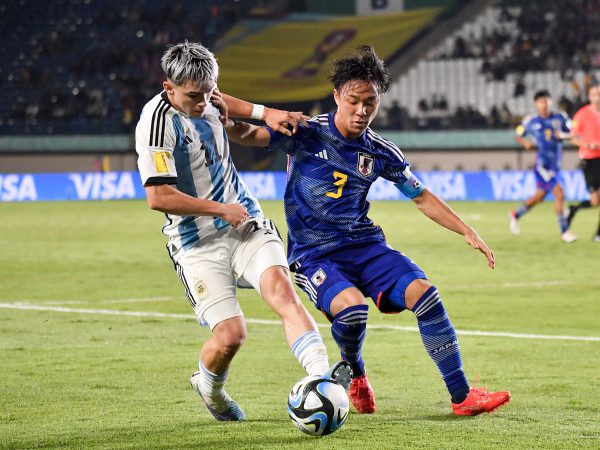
<point x="211" y="271"/>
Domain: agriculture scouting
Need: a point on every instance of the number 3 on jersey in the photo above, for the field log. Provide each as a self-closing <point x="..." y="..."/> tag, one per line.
<point x="340" y="182"/>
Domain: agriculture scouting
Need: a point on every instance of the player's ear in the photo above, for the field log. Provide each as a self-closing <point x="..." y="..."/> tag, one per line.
<point x="336" y="96"/>
<point x="167" y="86"/>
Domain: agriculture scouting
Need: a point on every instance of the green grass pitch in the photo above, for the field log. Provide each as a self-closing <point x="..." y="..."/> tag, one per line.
<point x="87" y="380"/>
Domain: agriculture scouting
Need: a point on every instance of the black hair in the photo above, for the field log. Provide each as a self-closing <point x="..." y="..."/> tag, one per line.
<point x="542" y="93"/>
<point x="363" y="64"/>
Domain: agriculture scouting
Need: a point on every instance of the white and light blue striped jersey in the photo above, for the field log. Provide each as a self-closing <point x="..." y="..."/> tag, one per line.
<point x="193" y="154"/>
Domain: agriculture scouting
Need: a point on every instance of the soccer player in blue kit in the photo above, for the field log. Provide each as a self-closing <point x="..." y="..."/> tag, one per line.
<point x="548" y="129"/>
<point x="338" y="255"/>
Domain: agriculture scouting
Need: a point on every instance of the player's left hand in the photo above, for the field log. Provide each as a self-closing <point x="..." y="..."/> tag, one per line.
<point x="473" y="239"/>
<point x="279" y="120"/>
<point x="217" y="100"/>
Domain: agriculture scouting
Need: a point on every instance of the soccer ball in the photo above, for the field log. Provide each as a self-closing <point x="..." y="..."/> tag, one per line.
<point x="318" y="406"/>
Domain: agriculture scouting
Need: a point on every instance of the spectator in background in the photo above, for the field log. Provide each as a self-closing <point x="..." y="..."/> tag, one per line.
<point x="394" y="119"/>
<point x="519" y="88"/>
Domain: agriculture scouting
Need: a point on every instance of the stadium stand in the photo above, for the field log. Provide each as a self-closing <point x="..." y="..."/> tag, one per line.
<point x="63" y="73"/>
<point x="484" y="74"/>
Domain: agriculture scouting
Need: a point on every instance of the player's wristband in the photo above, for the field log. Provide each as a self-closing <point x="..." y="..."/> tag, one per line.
<point x="257" y="112"/>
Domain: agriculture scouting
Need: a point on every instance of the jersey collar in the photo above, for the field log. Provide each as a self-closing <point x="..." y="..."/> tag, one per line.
<point x="360" y="141"/>
<point x="165" y="97"/>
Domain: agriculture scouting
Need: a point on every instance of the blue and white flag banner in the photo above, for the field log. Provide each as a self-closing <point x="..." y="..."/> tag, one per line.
<point x="514" y="185"/>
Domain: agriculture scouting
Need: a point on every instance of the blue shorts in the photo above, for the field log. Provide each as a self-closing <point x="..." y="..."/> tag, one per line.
<point x="546" y="179"/>
<point x="374" y="269"/>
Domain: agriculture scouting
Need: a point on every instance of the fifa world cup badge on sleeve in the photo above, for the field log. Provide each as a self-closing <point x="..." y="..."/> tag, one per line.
<point x="160" y="159"/>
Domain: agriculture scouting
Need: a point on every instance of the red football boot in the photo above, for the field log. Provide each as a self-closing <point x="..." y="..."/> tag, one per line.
<point x="479" y="401"/>
<point x="362" y="396"/>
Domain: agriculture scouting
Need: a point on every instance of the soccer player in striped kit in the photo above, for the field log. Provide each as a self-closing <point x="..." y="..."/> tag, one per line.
<point x="217" y="234"/>
<point x="338" y="255"/>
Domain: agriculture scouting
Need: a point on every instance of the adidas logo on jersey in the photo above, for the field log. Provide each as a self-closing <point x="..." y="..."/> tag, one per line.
<point x="322" y="154"/>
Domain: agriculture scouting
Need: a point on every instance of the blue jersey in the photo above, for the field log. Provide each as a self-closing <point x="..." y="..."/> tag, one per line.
<point x="544" y="130"/>
<point x="329" y="178"/>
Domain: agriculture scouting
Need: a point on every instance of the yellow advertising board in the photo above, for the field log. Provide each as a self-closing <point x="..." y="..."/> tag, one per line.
<point x="289" y="61"/>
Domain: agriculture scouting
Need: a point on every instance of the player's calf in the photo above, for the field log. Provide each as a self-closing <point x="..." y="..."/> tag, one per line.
<point x="348" y="329"/>
<point x="441" y="343"/>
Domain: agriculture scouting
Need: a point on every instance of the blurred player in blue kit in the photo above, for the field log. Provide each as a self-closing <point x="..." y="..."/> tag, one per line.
<point x="338" y="255"/>
<point x="548" y="128"/>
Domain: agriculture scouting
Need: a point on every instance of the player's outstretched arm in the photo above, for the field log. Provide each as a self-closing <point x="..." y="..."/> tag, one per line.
<point x="438" y="211"/>
<point x="247" y="134"/>
<point x="167" y="199"/>
<point x="277" y="119"/>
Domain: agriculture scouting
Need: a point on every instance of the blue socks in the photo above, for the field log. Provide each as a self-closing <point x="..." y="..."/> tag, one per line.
<point x="439" y="339"/>
<point x="521" y="211"/>
<point x="348" y="329"/>
<point x="562" y="222"/>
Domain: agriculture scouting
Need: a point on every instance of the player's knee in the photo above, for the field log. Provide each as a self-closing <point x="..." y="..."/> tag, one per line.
<point x="230" y="336"/>
<point x="345" y="299"/>
<point x="414" y="291"/>
<point x="595" y="200"/>
<point x="231" y="343"/>
<point x="281" y="296"/>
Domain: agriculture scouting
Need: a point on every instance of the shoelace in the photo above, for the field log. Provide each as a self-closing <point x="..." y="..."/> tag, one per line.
<point x="481" y="391"/>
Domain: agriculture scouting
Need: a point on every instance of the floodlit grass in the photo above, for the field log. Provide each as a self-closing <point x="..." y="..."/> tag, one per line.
<point x="81" y="380"/>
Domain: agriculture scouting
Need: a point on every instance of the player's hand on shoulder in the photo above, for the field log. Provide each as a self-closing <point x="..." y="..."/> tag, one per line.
<point x="217" y="100"/>
<point x="473" y="239"/>
<point x="529" y="145"/>
<point x="282" y="121"/>
<point x="234" y="213"/>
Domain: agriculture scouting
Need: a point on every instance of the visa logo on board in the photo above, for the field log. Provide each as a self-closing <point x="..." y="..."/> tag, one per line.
<point x="519" y="185"/>
<point x="103" y="186"/>
<point x="261" y="185"/>
<point x="446" y="185"/>
<point x="17" y="188"/>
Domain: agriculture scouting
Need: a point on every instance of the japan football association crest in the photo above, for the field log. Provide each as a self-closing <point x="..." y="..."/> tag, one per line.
<point x="318" y="278"/>
<point x="365" y="164"/>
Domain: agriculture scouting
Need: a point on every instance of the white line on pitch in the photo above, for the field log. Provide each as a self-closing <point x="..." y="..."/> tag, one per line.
<point x="104" y="302"/>
<point x="114" y="312"/>
<point x="517" y="284"/>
